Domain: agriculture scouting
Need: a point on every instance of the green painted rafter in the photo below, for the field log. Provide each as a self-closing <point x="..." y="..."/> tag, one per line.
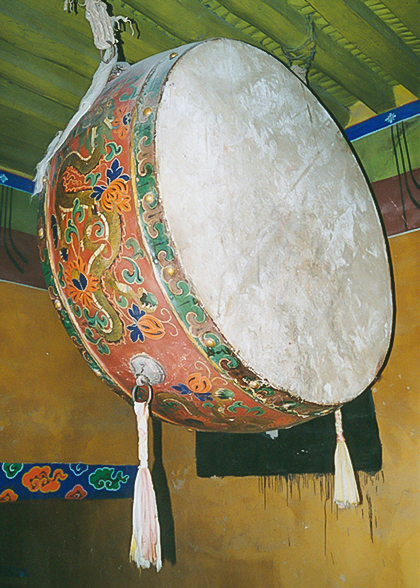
<point x="361" y="26"/>
<point x="288" y="27"/>
<point x="407" y="11"/>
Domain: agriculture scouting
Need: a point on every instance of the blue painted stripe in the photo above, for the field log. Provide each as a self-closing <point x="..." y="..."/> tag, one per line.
<point x="15" y="181"/>
<point x="382" y="121"/>
<point x="75" y="481"/>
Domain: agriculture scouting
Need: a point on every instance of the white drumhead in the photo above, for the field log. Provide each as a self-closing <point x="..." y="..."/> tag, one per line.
<point x="273" y="222"/>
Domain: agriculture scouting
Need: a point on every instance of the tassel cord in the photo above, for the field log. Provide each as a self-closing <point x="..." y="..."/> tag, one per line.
<point x="145" y="544"/>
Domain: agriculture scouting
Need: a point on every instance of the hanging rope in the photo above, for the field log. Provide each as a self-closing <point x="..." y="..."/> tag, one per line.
<point x="103" y="27"/>
<point x="300" y="54"/>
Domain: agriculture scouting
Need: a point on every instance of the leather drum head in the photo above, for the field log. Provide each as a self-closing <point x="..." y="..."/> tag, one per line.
<point x="273" y="222"/>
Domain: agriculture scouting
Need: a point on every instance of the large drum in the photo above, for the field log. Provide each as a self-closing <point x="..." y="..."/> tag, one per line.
<point x="206" y="230"/>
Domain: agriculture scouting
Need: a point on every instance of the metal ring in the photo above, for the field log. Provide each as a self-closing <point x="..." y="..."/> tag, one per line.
<point x="149" y="389"/>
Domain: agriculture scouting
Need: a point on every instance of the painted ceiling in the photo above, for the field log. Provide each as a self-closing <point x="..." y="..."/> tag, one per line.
<point x="362" y="55"/>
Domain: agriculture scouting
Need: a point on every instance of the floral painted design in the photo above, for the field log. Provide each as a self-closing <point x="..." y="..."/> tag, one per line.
<point x="8" y="496"/>
<point x="114" y="193"/>
<point x="144" y="325"/>
<point x="40" y="479"/>
<point x="121" y="122"/>
<point x="81" y="284"/>
<point x="76" y="493"/>
<point x="197" y="385"/>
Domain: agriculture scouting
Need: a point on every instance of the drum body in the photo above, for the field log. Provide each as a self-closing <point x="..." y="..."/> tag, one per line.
<point x="206" y="229"/>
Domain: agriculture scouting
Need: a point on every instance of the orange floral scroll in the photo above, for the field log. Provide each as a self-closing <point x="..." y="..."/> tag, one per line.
<point x="82" y="285"/>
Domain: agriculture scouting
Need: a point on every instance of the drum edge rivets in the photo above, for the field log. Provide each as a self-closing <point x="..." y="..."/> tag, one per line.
<point x="210" y="343"/>
<point x="254" y="384"/>
<point x="147" y="111"/>
<point x="57" y="304"/>
<point x="149" y="198"/>
<point x="173" y="55"/>
<point x="170" y="270"/>
<point x="41" y="233"/>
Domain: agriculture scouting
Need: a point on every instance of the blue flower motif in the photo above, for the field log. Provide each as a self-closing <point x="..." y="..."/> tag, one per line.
<point x="114" y="172"/>
<point x="135" y="332"/>
<point x="183" y="389"/>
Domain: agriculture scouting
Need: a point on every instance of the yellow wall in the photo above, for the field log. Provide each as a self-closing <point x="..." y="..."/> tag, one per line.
<point x="52" y="408"/>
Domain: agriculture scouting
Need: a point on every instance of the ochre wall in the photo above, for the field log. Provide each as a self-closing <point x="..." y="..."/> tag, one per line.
<point x="52" y="408"/>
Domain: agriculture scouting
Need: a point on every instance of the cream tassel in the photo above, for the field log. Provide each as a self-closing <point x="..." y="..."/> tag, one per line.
<point x="145" y="542"/>
<point x="346" y="493"/>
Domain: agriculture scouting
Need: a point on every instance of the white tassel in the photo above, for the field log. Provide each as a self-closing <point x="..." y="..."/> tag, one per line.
<point x="346" y="493"/>
<point x="145" y="543"/>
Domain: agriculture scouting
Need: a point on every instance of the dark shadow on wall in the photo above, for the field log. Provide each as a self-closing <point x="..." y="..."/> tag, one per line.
<point x="305" y="449"/>
<point x="163" y="498"/>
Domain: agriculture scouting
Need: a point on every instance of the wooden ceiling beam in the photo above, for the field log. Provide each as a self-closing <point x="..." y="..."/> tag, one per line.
<point x="407" y="11"/>
<point x="188" y="20"/>
<point x="289" y="28"/>
<point x="148" y="39"/>
<point x="55" y="52"/>
<point x="32" y="134"/>
<point x="362" y="27"/>
<point x="37" y="28"/>
<point x="48" y="79"/>
<point x="15" y="158"/>
<point x="15" y="96"/>
<point x="21" y="125"/>
<point x="157" y="37"/>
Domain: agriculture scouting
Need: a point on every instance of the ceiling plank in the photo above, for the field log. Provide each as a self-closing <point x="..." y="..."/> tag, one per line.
<point x="148" y="38"/>
<point x="47" y="79"/>
<point x="407" y="11"/>
<point x="27" y="19"/>
<point x="362" y="27"/>
<point x="15" y="158"/>
<point x="18" y="35"/>
<point x="187" y="19"/>
<point x="289" y="28"/>
<point x="14" y="96"/>
<point x="22" y="126"/>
